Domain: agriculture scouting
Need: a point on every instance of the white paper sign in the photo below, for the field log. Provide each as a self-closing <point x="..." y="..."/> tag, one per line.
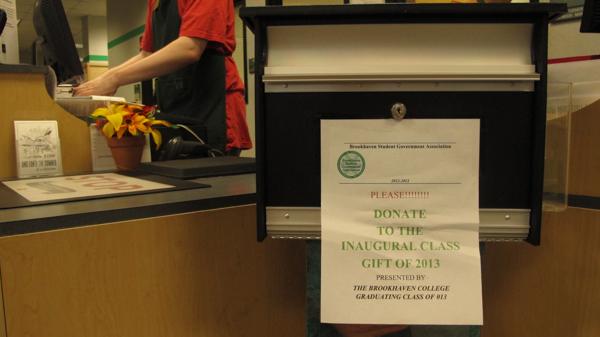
<point x="56" y="188"/>
<point x="38" y="148"/>
<point x="400" y="222"/>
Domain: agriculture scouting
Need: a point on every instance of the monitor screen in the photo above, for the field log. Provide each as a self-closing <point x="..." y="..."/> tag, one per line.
<point x="56" y="40"/>
<point x="590" y="20"/>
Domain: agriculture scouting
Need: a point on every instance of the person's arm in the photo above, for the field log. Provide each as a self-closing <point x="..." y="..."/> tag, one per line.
<point x="142" y="54"/>
<point x="92" y="87"/>
<point x="174" y="56"/>
<point x="127" y="63"/>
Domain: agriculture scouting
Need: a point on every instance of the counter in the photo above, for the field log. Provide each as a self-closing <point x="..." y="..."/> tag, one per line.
<point x="226" y="191"/>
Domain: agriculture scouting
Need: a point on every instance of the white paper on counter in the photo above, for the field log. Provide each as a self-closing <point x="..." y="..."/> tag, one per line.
<point x="56" y="188"/>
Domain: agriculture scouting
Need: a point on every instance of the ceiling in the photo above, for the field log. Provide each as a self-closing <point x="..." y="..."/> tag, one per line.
<point x="75" y="10"/>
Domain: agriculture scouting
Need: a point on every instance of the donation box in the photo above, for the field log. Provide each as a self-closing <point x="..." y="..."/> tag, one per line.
<point x="476" y="61"/>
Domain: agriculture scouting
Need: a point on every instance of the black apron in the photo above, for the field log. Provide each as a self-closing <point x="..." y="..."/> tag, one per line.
<point x="198" y="90"/>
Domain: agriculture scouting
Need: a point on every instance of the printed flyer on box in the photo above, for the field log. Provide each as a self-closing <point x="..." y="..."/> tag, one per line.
<point x="400" y="222"/>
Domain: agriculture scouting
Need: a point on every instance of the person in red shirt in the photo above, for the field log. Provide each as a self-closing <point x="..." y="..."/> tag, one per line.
<point x="188" y="44"/>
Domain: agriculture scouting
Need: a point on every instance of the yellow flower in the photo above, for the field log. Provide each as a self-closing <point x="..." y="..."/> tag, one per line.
<point x="114" y="114"/>
<point x="155" y="133"/>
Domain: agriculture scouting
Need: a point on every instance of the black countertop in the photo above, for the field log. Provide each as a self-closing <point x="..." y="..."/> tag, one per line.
<point x="225" y="191"/>
<point x="22" y="68"/>
<point x="402" y="12"/>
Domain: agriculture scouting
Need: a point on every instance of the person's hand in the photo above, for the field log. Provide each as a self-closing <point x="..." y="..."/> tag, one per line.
<point x="366" y="330"/>
<point x="105" y="85"/>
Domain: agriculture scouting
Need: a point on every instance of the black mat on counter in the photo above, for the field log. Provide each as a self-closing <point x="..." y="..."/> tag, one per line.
<point x="12" y="199"/>
<point x="201" y="167"/>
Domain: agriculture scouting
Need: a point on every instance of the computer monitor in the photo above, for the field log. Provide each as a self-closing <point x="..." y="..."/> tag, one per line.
<point x="590" y="20"/>
<point x="56" y="41"/>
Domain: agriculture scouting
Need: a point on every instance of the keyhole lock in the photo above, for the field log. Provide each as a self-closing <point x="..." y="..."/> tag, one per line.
<point x="398" y="111"/>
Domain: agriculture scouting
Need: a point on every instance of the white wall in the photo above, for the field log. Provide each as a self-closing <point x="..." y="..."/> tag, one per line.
<point x="94" y="36"/>
<point x="565" y="40"/>
<point x="123" y="17"/>
<point x="255" y="3"/>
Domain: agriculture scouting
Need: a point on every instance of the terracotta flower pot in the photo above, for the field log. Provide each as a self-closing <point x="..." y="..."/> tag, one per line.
<point x="127" y="151"/>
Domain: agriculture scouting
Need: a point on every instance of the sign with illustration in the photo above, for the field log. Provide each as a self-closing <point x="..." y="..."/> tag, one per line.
<point x="38" y="148"/>
<point x="89" y="185"/>
<point x="400" y="222"/>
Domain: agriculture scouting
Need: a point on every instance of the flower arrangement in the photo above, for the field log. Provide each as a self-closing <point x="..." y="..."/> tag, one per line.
<point x="122" y="119"/>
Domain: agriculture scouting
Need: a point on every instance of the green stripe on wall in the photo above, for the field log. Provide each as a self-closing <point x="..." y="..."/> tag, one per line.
<point x="95" y="58"/>
<point x="127" y="36"/>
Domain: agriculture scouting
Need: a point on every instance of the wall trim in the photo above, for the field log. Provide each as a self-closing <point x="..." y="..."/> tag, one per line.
<point x="89" y="58"/>
<point x="127" y="36"/>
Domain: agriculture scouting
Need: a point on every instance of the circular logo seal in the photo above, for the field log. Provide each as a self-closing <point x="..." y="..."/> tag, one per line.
<point x="351" y="164"/>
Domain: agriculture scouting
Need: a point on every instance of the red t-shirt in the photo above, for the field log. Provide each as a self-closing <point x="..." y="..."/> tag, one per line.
<point x="214" y="21"/>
